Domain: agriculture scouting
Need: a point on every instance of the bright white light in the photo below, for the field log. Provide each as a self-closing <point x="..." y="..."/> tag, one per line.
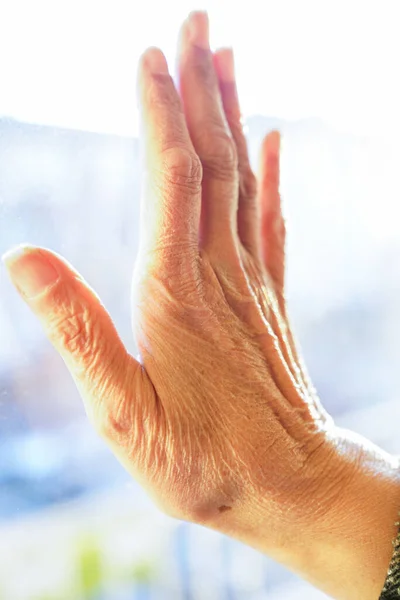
<point x="73" y="63"/>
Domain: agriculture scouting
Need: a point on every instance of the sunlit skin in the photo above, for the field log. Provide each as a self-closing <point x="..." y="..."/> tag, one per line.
<point x="217" y="417"/>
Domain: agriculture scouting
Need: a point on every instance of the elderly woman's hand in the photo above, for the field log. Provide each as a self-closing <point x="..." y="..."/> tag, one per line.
<point x="218" y="420"/>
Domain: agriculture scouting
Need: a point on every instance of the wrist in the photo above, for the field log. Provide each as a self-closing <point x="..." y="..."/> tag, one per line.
<point x="347" y="549"/>
<point x="342" y="542"/>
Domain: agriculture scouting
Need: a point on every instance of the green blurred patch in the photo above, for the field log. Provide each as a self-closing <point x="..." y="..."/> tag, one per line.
<point x="89" y="565"/>
<point x="92" y="572"/>
<point x="142" y="572"/>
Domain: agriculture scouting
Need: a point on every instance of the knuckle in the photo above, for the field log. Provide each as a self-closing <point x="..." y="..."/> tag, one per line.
<point x="248" y="183"/>
<point x="220" y="158"/>
<point x="73" y="332"/>
<point x="182" y="168"/>
<point x="203" y="70"/>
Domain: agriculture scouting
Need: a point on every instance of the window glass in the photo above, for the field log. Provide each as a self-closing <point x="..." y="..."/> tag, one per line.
<point x="73" y="524"/>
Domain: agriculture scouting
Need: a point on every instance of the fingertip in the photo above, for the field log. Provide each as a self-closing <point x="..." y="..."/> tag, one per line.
<point x="276" y="140"/>
<point x="153" y="60"/>
<point x="30" y="270"/>
<point x="198" y="27"/>
<point x="198" y="14"/>
<point x="14" y="253"/>
<point x="272" y="142"/>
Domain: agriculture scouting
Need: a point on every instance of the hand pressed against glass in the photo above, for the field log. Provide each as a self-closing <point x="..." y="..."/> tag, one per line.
<point x="218" y="420"/>
<point x="224" y="414"/>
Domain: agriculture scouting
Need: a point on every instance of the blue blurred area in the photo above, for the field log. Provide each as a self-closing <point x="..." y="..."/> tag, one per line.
<point x="78" y="194"/>
<point x="39" y="469"/>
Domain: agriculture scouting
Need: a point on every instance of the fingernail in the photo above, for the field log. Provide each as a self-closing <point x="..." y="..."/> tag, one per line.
<point x="30" y="271"/>
<point x="199" y="29"/>
<point x="226" y="64"/>
<point x="156" y="61"/>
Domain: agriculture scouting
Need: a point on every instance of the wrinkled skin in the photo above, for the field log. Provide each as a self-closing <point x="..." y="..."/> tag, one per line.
<point x="226" y="414"/>
<point x="217" y="419"/>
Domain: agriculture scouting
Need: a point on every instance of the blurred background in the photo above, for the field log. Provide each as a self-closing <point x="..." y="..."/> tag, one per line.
<point x="73" y="525"/>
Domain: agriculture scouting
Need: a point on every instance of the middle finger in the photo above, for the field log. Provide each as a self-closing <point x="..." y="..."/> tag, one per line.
<point x="210" y="134"/>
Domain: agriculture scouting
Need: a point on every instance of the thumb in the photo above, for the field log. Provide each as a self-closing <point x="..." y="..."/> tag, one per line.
<point x="81" y="330"/>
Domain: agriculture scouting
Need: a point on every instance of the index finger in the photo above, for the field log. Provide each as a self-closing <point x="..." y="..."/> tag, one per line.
<point x="170" y="214"/>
